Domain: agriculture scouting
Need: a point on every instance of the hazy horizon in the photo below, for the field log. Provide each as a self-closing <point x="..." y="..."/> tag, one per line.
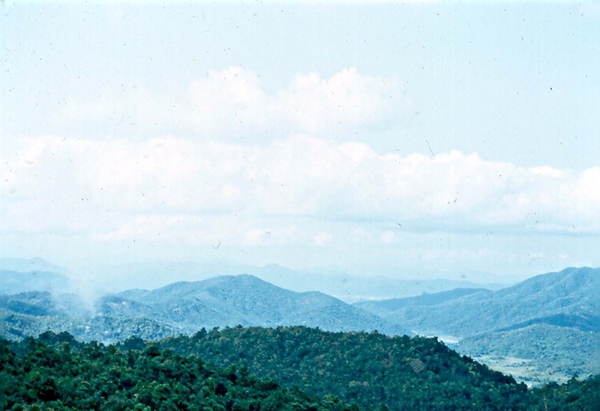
<point x="95" y="281"/>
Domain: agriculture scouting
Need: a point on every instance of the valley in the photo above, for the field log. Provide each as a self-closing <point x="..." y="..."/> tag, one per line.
<point x="541" y="330"/>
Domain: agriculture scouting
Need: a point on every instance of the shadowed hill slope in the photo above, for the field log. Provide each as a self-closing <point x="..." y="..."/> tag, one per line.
<point x="571" y="292"/>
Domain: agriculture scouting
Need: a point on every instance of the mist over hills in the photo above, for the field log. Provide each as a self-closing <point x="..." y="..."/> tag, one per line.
<point x="34" y="312"/>
<point x="36" y="274"/>
<point x="185" y="308"/>
<point x="13" y="282"/>
<point x="426" y="299"/>
<point x="352" y="288"/>
<point x="92" y="282"/>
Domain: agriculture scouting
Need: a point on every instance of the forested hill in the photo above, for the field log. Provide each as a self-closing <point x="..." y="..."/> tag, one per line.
<point x="243" y="299"/>
<point x="370" y="369"/>
<point x="572" y="292"/>
<point x="55" y="372"/>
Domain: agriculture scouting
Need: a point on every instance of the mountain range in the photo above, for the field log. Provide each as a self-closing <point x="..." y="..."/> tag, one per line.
<point x="243" y="300"/>
<point x="337" y="283"/>
<point x="112" y="278"/>
<point x="546" y="327"/>
<point x="572" y="294"/>
<point x="185" y="308"/>
<point x="551" y="321"/>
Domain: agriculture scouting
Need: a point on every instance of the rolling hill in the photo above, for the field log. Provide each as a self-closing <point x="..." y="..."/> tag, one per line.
<point x="384" y="307"/>
<point x="539" y="352"/>
<point x="268" y="369"/>
<point x="571" y="292"/>
<point x="550" y="320"/>
<point x="185" y="308"/>
<point x="545" y="328"/>
<point x="245" y="300"/>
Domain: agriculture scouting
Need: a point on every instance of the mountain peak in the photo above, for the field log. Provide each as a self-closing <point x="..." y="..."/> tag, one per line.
<point x="248" y="300"/>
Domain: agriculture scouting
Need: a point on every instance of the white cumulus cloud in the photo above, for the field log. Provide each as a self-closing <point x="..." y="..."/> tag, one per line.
<point x="232" y="104"/>
<point x="199" y="191"/>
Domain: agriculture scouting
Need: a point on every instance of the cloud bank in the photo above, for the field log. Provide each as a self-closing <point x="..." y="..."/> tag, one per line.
<point x="228" y="165"/>
<point x="176" y="189"/>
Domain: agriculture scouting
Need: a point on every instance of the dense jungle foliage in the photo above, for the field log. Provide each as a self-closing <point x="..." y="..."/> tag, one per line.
<point x="296" y="368"/>
<point x="371" y="369"/>
<point x="55" y="372"/>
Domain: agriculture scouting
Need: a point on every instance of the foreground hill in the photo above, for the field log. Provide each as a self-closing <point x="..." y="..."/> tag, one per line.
<point x="401" y="373"/>
<point x="551" y="319"/>
<point x="57" y="373"/>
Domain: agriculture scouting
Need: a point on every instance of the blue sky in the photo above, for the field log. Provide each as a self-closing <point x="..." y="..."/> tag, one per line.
<point x="398" y="139"/>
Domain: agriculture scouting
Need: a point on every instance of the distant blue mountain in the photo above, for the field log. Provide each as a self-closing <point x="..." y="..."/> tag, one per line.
<point x="551" y="321"/>
<point x="426" y="299"/>
<point x="29" y="265"/>
<point x="13" y="282"/>
<point x="347" y="287"/>
<point x="185" y="308"/>
<point x="583" y="322"/>
<point x="246" y="300"/>
<point x="572" y="292"/>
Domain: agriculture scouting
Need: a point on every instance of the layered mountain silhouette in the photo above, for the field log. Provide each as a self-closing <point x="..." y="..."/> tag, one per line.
<point x="570" y="296"/>
<point x="243" y="300"/>
<point x="185" y="308"/>
<point x="551" y="320"/>
<point x="337" y="283"/>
